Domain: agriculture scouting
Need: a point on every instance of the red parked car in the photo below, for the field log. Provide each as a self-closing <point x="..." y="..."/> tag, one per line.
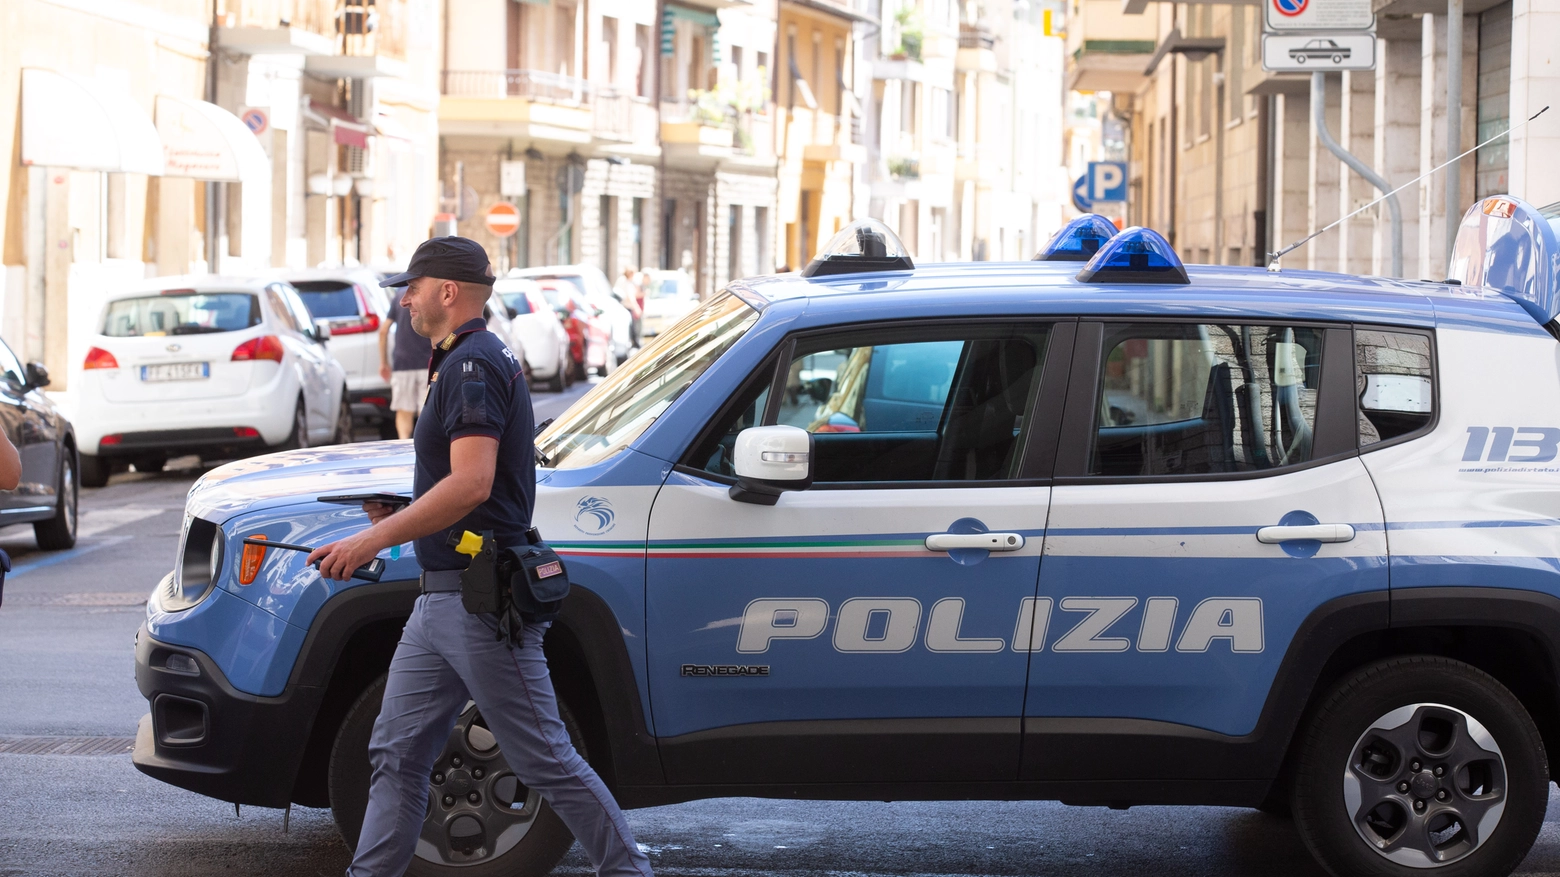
<point x="590" y="335"/>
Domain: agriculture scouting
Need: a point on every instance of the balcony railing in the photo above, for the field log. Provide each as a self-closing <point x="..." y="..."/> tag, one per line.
<point x="537" y="85"/>
<point x="360" y="28"/>
<point x="612" y="115"/>
<point x="976" y="36"/>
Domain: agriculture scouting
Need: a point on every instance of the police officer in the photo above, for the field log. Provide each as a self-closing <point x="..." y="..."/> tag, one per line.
<point x="475" y="471"/>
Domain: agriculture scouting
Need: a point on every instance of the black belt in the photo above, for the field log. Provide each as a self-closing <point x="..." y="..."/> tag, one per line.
<point x="440" y="581"/>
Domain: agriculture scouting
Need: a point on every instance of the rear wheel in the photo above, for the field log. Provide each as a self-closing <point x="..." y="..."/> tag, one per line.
<point x="481" y="820"/>
<point x="59" y="532"/>
<point x="299" y="437"/>
<point x="1421" y="765"/>
<point x="95" y="470"/>
<point x="559" y="381"/>
<point x="343" y="434"/>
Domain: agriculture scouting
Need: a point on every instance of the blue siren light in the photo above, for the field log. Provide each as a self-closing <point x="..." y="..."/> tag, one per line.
<point x="1137" y="255"/>
<point x="863" y="247"/>
<point x="1077" y="241"/>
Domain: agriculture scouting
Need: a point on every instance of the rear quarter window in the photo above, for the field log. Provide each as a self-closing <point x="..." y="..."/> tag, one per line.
<point x="328" y="298"/>
<point x="1395" y="381"/>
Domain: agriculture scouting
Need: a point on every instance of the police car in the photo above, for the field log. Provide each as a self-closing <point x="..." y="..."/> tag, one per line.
<point x="1097" y="528"/>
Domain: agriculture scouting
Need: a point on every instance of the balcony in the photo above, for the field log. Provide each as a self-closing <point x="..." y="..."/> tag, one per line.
<point x="834" y="139"/>
<point x="977" y="49"/>
<point x="356" y="39"/>
<point x="527" y="103"/>
<point x="1107" y="49"/>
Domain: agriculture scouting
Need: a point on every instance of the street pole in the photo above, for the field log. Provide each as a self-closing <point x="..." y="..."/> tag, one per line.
<point x="1454" y="83"/>
<point x="1319" y="112"/>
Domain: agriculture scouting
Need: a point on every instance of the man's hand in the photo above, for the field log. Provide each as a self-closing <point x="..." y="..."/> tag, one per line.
<point x="378" y="511"/>
<point x="338" y="559"/>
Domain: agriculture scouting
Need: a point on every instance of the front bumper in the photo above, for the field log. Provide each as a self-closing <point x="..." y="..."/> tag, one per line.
<point x="206" y="736"/>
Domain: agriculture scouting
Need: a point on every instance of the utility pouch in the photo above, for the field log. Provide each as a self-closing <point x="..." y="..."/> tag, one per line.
<point x="539" y="581"/>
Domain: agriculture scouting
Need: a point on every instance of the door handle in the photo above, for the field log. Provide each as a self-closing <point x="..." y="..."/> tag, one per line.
<point x="982" y="541"/>
<point x="1313" y="532"/>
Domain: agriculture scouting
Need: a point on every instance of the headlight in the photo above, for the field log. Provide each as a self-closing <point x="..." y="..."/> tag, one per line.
<point x="199" y="567"/>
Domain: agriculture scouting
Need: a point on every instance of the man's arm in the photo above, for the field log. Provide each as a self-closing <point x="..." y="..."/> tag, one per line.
<point x="384" y="342"/>
<point x="472" y="462"/>
<point x="10" y="464"/>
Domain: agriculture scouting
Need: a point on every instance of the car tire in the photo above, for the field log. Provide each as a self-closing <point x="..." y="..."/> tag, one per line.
<point x="608" y="363"/>
<point x="59" y="532"/>
<point x="560" y="379"/>
<point x="95" y="470"/>
<point x="580" y="373"/>
<point x="1390" y="727"/>
<point x="150" y="464"/>
<point x="343" y="432"/>
<point x="535" y="853"/>
<point x="299" y="437"/>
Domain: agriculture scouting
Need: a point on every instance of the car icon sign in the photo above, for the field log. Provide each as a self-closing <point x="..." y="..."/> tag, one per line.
<point x="1320" y="48"/>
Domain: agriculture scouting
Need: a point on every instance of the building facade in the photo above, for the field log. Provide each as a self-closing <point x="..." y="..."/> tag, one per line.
<point x="303" y="134"/>
<point x="1226" y="158"/>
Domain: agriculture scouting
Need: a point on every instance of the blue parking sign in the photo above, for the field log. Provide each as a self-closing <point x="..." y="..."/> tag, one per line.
<point x="1103" y="181"/>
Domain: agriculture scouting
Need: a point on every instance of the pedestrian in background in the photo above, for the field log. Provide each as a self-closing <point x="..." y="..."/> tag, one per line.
<point x="629" y="291"/>
<point x="405" y="366"/>
<point x="475" y="470"/>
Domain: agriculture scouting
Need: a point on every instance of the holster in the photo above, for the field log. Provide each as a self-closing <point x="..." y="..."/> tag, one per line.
<point x="522" y="584"/>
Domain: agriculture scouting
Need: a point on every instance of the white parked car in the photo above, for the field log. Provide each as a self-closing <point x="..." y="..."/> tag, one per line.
<point x="214" y="366"/>
<point x="351" y="300"/>
<point x="534" y="322"/>
<point x="598" y="291"/>
<point x="669" y="298"/>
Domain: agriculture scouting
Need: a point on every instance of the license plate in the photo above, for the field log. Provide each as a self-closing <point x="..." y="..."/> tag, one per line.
<point x="176" y="371"/>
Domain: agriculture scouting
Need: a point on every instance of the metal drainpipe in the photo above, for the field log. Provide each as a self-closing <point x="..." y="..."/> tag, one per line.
<point x="1454" y="83"/>
<point x="1319" y="113"/>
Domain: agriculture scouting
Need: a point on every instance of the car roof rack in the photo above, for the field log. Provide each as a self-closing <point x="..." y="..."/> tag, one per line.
<point x="1077" y="241"/>
<point x="1137" y="255"/>
<point x="863" y="247"/>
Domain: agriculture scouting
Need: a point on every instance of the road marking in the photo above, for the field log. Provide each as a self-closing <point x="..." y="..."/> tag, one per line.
<point x="88" y="598"/>
<point x="62" y="556"/>
<point x="81" y="746"/>
<point x="95" y="521"/>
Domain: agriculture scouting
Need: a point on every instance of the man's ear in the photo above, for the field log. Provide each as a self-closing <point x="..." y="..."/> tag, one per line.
<point x="449" y="292"/>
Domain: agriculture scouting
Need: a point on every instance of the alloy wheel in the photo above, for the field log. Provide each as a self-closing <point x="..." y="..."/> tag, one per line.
<point x="477" y="809"/>
<point x="1425" y="785"/>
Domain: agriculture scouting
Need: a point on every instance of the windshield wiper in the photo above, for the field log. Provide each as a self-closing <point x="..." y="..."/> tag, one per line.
<point x="541" y="458"/>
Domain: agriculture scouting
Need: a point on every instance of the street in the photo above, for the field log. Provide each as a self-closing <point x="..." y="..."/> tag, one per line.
<point x="66" y="685"/>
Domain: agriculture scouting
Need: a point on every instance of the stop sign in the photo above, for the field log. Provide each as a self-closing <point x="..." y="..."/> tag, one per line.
<point x="503" y="219"/>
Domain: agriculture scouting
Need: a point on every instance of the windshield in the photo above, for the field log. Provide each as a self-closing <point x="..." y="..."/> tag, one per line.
<point x="624" y="405"/>
<point x="181" y="314"/>
<point x="670" y="287"/>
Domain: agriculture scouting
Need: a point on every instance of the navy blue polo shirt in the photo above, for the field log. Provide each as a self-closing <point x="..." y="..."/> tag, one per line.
<point x="476" y="387"/>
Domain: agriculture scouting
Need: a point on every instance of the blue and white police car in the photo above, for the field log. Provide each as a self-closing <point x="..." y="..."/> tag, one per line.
<point x="1097" y="528"/>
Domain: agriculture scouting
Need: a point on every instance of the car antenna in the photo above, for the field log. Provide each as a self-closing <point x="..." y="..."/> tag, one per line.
<point x="1274" y="257"/>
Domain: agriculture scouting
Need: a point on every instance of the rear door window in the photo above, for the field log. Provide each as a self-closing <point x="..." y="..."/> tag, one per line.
<point x="180" y="313"/>
<point x="1194" y="399"/>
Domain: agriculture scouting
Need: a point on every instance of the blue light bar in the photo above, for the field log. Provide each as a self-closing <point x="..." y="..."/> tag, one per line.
<point x="1137" y="255"/>
<point x="1508" y="244"/>
<point x="865" y="246"/>
<point x="1078" y="241"/>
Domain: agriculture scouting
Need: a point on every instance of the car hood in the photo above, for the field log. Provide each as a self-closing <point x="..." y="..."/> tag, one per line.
<point x="293" y="477"/>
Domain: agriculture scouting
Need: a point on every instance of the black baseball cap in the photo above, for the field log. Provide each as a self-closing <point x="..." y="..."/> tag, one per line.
<point x="447" y="258"/>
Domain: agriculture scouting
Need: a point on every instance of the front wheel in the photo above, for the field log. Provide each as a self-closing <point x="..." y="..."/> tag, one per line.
<point x="481" y="822"/>
<point x="1421" y="765"/>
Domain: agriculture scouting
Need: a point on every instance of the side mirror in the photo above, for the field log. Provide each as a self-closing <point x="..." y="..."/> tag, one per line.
<point x="37" y="375"/>
<point x="770" y="460"/>
<point x="322" y="331"/>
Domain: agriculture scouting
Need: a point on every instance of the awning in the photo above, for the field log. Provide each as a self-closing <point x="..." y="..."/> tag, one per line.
<point x="345" y="128"/>
<point x="204" y="141"/>
<point x="80" y="123"/>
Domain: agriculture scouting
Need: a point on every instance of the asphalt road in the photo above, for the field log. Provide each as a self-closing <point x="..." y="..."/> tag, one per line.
<point x="66" y="651"/>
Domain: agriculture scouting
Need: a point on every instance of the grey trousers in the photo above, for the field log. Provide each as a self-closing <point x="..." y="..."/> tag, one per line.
<point x="448" y="656"/>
